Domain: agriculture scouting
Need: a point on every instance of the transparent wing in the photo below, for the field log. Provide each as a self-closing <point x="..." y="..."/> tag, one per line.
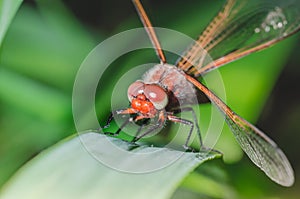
<point x="259" y="148"/>
<point x="240" y="28"/>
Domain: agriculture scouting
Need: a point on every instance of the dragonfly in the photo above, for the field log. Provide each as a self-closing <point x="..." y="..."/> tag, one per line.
<point x="240" y="28"/>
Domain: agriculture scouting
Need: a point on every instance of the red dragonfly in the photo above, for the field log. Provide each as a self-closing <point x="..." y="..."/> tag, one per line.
<point x="240" y="28"/>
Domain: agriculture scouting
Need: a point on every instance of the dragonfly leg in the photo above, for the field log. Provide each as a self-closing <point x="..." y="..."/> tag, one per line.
<point x="120" y="128"/>
<point x="160" y="123"/>
<point x="109" y="119"/>
<point x="195" y="123"/>
<point x="111" y="116"/>
<point x="138" y="131"/>
<point x="187" y="122"/>
<point x="175" y="119"/>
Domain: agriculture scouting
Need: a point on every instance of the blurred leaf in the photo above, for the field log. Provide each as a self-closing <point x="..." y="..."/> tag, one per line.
<point x="48" y="45"/>
<point x="204" y="185"/>
<point x="64" y="23"/>
<point x="40" y="100"/>
<point x="67" y="170"/>
<point x="8" y="9"/>
<point x="42" y="50"/>
<point x="21" y="138"/>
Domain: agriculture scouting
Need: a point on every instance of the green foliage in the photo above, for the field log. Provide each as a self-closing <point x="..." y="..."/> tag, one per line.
<point x="68" y="170"/>
<point x="7" y="12"/>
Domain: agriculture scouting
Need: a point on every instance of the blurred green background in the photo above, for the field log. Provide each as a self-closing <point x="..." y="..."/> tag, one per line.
<point x="48" y="40"/>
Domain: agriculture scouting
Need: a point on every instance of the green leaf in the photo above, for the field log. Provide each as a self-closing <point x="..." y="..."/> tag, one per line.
<point x="40" y="45"/>
<point x="35" y="97"/>
<point x="203" y="184"/>
<point x="8" y="9"/>
<point x="71" y="169"/>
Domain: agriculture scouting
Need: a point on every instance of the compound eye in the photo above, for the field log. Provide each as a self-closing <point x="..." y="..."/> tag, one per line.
<point x="157" y="95"/>
<point x="134" y="89"/>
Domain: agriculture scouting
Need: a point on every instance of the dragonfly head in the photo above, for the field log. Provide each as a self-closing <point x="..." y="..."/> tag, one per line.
<point x="147" y="98"/>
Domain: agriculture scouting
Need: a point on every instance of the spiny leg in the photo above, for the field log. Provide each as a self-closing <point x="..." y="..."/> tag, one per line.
<point x="138" y="131"/>
<point x="190" y="109"/>
<point x="124" y="112"/>
<point x="120" y="128"/>
<point x="142" y="122"/>
<point x="109" y="119"/>
<point x="160" y="122"/>
<point x="119" y="112"/>
<point x="175" y="119"/>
